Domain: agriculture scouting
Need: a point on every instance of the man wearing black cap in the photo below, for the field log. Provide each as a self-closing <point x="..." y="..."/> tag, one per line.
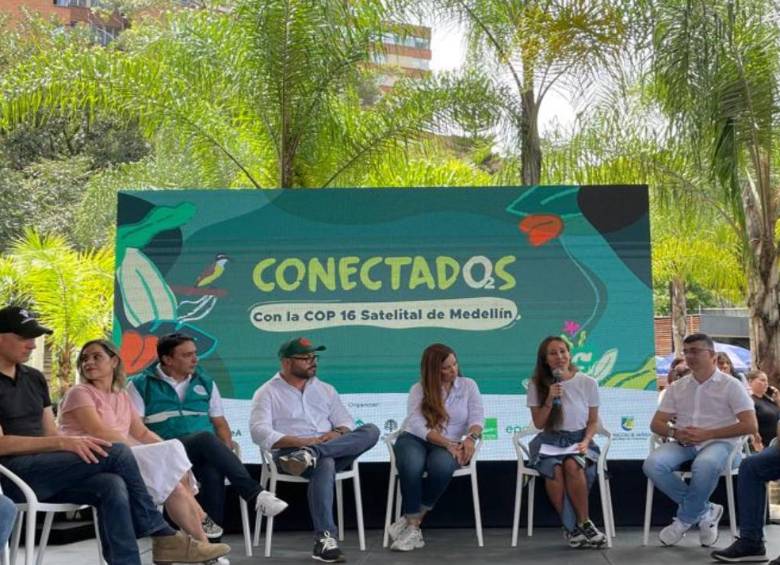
<point x="77" y="469"/>
<point x="302" y="420"/>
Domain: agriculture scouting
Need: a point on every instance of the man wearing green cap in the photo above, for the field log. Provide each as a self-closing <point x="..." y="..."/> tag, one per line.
<point x="303" y="422"/>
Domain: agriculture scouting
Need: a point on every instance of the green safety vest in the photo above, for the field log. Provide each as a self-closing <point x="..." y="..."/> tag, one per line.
<point x="165" y="414"/>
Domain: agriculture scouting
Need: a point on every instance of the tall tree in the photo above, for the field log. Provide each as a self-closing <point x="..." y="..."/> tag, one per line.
<point x="715" y="68"/>
<point x="537" y="46"/>
<point x="263" y="95"/>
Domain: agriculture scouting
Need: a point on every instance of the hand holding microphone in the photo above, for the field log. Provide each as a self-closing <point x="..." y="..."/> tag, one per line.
<point x="557" y="377"/>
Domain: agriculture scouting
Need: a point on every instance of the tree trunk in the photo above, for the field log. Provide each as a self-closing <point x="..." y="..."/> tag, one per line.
<point x="679" y="313"/>
<point x="763" y="285"/>
<point x="64" y="368"/>
<point x="530" y="146"/>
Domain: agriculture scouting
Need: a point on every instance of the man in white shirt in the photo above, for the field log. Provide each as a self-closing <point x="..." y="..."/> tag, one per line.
<point x="311" y="434"/>
<point x="176" y="401"/>
<point x="705" y="413"/>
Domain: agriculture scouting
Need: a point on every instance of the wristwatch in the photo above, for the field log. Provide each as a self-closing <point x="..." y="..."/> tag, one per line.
<point x="475" y="436"/>
<point x="671" y="429"/>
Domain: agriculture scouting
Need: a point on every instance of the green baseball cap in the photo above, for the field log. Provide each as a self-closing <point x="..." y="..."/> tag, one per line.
<point x="298" y="346"/>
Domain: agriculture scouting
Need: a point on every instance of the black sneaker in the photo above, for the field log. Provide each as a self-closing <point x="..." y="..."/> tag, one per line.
<point x="741" y="551"/>
<point x="327" y="549"/>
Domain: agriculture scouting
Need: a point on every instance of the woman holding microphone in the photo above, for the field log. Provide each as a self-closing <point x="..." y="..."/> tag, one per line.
<point x="564" y="404"/>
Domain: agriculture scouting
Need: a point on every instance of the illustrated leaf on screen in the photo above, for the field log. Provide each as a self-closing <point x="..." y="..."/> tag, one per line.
<point x="603" y="367"/>
<point x="159" y="219"/>
<point x="146" y="296"/>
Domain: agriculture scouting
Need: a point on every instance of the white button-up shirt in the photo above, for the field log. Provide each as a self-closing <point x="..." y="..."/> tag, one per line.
<point x="712" y="404"/>
<point x="463" y="405"/>
<point x="279" y="409"/>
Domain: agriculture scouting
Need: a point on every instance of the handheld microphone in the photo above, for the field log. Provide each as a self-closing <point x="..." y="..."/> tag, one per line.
<point x="557" y="377"/>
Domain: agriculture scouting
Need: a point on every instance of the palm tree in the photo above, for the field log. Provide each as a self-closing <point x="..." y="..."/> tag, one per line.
<point x="263" y="95"/>
<point x="71" y="290"/>
<point x="537" y="46"/>
<point x="715" y="75"/>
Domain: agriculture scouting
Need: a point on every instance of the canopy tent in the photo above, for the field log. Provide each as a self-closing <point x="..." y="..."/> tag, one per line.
<point x="740" y="357"/>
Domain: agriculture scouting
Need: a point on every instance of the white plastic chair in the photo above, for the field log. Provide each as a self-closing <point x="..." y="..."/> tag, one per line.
<point x="729" y="472"/>
<point x="270" y="476"/>
<point x="31" y="507"/>
<point x="526" y="474"/>
<point x="394" y="486"/>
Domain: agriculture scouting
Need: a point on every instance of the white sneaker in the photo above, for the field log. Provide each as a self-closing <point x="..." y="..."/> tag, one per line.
<point x="268" y="505"/>
<point x="211" y="528"/>
<point x="411" y="538"/>
<point x="674" y="532"/>
<point x="708" y="526"/>
<point x="396" y="528"/>
<point x="297" y="462"/>
<point x="218" y="561"/>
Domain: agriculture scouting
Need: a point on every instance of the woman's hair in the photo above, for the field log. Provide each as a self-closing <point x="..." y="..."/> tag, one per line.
<point x="118" y="382"/>
<point x="544" y="379"/>
<point x="754" y="374"/>
<point x="724" y="358"/>
<point x="432" y="406"/>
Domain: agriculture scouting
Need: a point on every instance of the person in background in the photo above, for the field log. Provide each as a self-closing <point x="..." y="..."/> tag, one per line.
<point x="442" y="427"/>
<point x="767" y="402"/>
<point x="677" y="369"/>
<point x="726" y="366"/>
<point x="564" y="404"/>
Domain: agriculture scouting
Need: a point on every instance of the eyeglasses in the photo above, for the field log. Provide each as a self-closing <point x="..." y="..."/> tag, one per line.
<point x="306" y="358"/>
<point x="695" y="350"/>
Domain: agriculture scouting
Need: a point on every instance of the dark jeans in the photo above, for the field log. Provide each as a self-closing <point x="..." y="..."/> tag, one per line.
<point x="754" y="472"/>
<point x="332" y="456"/>
<point x="212" y="461"/>
<point x="413" y="457"/>
<point x="113" y="485"/>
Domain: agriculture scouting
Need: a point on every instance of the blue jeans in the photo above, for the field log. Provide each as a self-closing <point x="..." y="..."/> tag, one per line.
<point x="113" y="485"/>
<point x="7" y="519"/>
<point x="754" y="472"/>
<point x="413" y="457"/>
<point x="332" y="456"/>
<point x="212" y="461"/>
<point x="692" y="497"/>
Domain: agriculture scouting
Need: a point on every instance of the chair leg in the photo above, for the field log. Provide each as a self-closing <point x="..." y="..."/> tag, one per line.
<point x="17" y="534"/>
<point x="44" y="541"/>
<point x="389" y="508"/>
<point x="730" y="502"/>
<point x="359" y="510"/>
<point x="611" y="508"/>
<point x="269" y="526"/>
<point x="29" y="538"/>
<point x="245" y="526"/>
<point x="518" y="505"/>
<point x="340" y="508"/>
<point x="648" y="512"/>
<point x="398" y="500"/>
<point x="477" y="513"/>
<point x="531" y="496"/>
<point x="96" y="524"/>
<point x="605" y="509"/>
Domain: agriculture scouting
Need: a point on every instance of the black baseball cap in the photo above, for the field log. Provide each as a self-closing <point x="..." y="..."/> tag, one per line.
<point x="19" y="321"/>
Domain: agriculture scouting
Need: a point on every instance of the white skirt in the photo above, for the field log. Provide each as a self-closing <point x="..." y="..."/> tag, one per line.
<point x="162" y="466"/>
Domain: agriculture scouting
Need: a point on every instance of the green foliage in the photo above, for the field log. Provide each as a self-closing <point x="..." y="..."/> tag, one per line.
<point x="71" y="290"/>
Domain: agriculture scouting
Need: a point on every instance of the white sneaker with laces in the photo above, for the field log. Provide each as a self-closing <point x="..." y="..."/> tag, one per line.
<point x="396" y="528"/>
<point x="268" y="505"/>
<point x="708" y="526"/>
<point x="211" y="528"/>
<point x="411" y="538"/>
<point x="674" y="532"/>
<point x="297" y="462"/>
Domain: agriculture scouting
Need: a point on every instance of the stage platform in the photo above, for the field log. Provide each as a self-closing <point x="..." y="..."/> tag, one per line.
<point x="456" y="546"/>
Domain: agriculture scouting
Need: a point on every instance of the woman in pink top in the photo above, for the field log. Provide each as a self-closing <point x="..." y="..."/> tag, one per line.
<point x="100" y="407"/>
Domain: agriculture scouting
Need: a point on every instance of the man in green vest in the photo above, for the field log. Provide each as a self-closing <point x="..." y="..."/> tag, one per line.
<point x="178" y="402"/>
